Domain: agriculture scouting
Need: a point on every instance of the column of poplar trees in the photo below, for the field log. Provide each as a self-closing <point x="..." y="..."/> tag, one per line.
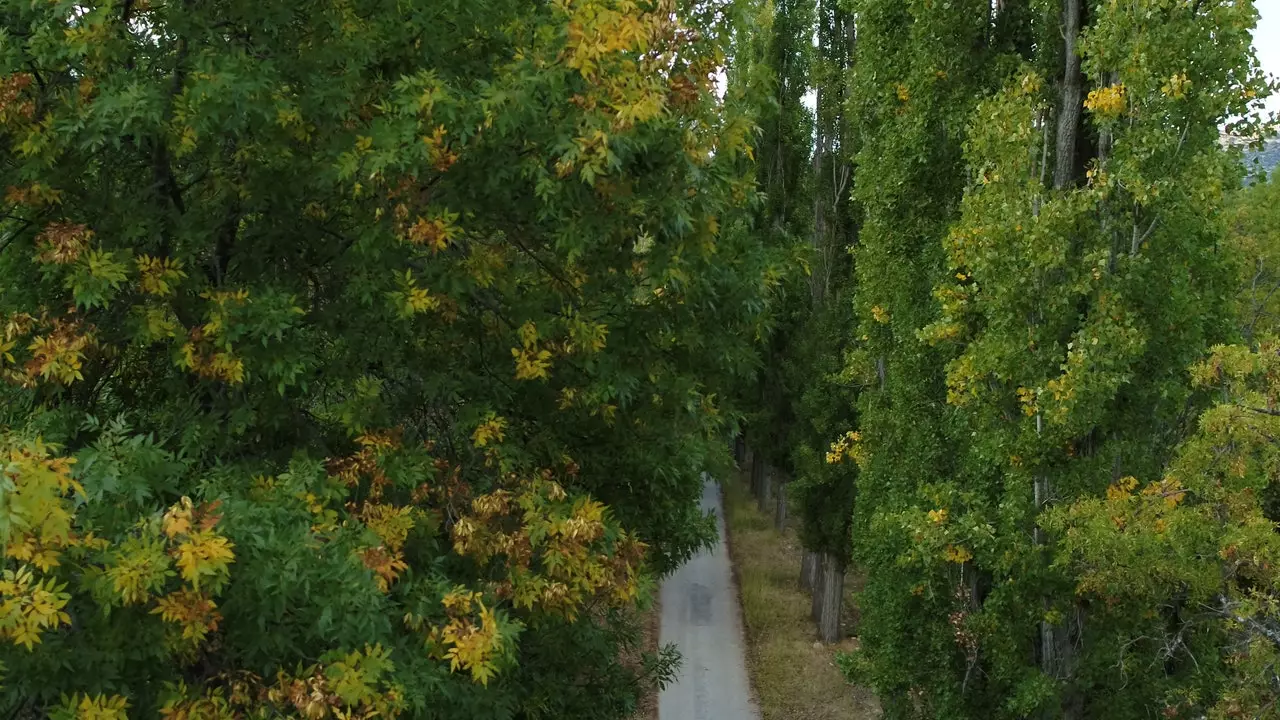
<point x="1034" y="218"/>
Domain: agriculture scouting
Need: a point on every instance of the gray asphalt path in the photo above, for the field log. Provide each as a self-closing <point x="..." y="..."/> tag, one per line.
<point x="700" y="614"/>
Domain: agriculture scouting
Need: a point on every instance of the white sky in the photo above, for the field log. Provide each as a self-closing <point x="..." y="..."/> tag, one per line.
<point x="1266" y="41"/>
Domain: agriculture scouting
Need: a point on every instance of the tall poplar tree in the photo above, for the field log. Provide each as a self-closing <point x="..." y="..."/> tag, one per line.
<point x="917" y="77"/>
<point x="1086" y="276"/>
<point x="823" y="393"/>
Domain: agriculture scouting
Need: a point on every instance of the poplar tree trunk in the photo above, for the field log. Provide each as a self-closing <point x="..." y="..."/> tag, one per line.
<point x="819" y="580"/>
<point x="808" y="569"/>
<point x="766" y="490"/>
<point x="830" y="598"/>
<point x="757" y="474"/>
<point x="1057" y="642"/>
<point x="1069" y="107"/>
<point x="780" y="507"/>
<point x="818" y="280"/>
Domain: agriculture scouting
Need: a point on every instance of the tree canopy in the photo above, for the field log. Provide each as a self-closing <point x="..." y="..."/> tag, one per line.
<point x="363" y="357"/>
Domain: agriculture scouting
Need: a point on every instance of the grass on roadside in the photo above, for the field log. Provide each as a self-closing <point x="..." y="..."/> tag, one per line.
<point x="795" y="677"/>
<point x="648" y="703"/>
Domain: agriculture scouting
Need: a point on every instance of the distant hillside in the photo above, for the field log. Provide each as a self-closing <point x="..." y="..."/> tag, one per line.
<point x="1268" y="157"/>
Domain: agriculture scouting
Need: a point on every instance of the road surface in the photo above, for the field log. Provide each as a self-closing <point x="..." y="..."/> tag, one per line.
<point x="700" y="614"/>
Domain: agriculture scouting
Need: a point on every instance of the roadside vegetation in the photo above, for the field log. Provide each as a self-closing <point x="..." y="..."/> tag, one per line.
<point x="795" y="676"/>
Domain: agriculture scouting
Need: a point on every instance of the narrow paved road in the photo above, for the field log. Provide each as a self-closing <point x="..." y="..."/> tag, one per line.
<point x="700" y="614"/>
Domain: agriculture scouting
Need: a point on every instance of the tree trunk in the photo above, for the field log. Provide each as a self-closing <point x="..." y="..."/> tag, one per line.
<point x="780" y="506"/>
<point x="1069" y="108"/>
<point x="766" y="490"/>
<point x="820" y="273"/>
<point x="808" y="569"/>
<point x="757" y="473"/>
<point x="830" y="598"/>
<point x="819" y="580"/>
<point x="1058" y="656"/>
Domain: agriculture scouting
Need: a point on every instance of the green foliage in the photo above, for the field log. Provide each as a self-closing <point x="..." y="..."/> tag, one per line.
<point x="382" y="343"/>
<point x="1254" y="224"/>
<point x="1185" y="566"/>
<point x="917" y="75"/>
<point x="1051" y="360"/>
<point x="822" y="389"/>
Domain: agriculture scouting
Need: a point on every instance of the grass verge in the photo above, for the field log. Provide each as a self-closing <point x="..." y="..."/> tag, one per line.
<point x="647" y="707"/>
<point x="795" y="677"/>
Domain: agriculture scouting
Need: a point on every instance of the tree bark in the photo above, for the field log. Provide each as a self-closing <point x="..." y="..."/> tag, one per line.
<point x="757" y="474"/>
<point x="819" y="581"/>
<point x="820" y="273"/>
<point x="808" y="569"/>
<point x="780" y="506"/>
<point x="766" y="490"/>
<point x="1070" y="107"/>
<point x="830" y="598"/>
<point x="1058" y="656"/>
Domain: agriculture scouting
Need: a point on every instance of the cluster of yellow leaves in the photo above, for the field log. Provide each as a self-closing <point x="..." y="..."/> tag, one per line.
<point x="392" y="525"/>
<point x="584" y="335"/>
<point x="1028" y="399"/>
<point x="532" y="362"/>
<point x="39" y="493"/>
<point x="410" y="299"/>
<point x="139" y="569"/>
<point x="436" y="233"/>
<point x="957" y="554"/>
<point x="491" y="430"/>
<point x="471" y="640"/>
<point x="57" y="355"/>
<point x="442" y="158"/>
<point x="1177" y="86"/>
<point x="1107" y="102"/>
<point x="195" y="613"/>
<point x="201" y="555"/>
<point x="350" y="686"/>
<point x="203" y="559"/>
<point x="1154" y="500"/>
<point x="158" y="323"/>
<point x="936" y="537"/>
<point x="158" y="276"/>
<point x="92" y="707"/>
<point x="617" y="47"/>
<point x="36" y="195"/>
<point x="30" y="606"/>
<point x="364" y="465"/>
<point x="208" y="352"/>
<point x="353" y="687"/>
<point x="484" y="263"/>
<point x="847" y="445"/>
<point x="554" y="553"/>
<point x="36" y="523"/>
<point x="1030" y="83"/>
<point x="962" y="381"/>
